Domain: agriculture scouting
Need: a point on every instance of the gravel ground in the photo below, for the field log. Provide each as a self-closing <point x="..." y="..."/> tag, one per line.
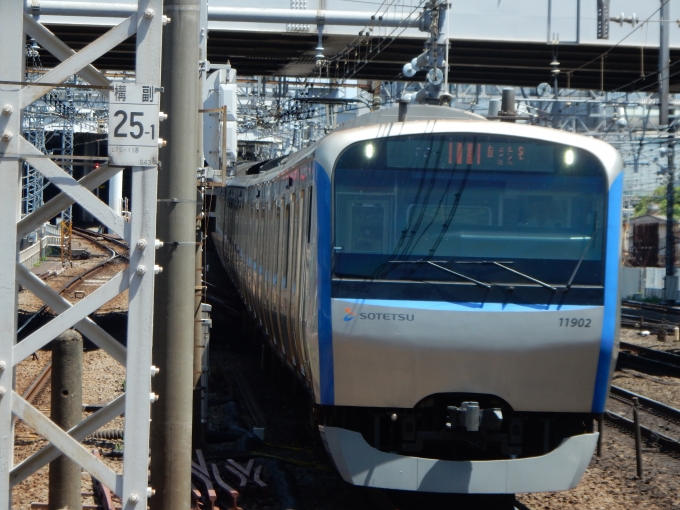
<point x="661" y="388"/>
<point x="291" y="439"/>
<point x="28" y="303"/>
<point x="633" y="336"/>
<point x="103" y="380"/>
<point x="610" y="482"/>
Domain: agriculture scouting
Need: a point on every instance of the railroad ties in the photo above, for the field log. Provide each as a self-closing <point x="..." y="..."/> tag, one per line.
<point x="207" y="483"/>
<point x="662" y="422"/>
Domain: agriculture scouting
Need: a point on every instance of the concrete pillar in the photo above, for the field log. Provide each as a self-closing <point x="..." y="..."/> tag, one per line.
<point x="67" y="411"/>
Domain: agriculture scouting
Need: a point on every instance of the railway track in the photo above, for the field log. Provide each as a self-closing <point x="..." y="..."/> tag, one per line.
<point x="72" y="285"/>
<point x="101" y="239"/>
<point x="647" y="360"/>
<point x="664" y="412"/>
<point x="38" y="385"/>
<point x="642" y="315"/>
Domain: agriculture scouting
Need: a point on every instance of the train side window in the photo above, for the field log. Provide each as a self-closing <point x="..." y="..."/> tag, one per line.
<point x="298" y="204"/>
<point x="309" y="214"/>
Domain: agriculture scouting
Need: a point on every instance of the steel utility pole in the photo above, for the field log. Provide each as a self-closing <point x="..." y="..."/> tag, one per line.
<point x="671" y="280"/>
<point x="174" y="304"/>
<point x="200" y="357"/>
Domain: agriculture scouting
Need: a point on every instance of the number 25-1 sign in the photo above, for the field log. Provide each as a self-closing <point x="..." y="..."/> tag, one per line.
<point x="133" y="125"/>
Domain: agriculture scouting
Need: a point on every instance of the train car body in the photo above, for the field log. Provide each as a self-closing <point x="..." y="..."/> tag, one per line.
<point x="447" y="289"/>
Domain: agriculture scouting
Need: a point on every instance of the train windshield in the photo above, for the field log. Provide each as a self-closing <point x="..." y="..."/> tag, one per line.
<point x="406" y="207"/>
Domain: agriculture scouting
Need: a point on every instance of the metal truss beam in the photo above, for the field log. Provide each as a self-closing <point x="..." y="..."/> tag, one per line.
<point x="71" y="316"/>
<point x="50" y="452"/>
<point x="65" y="443"/>
<point x="56" y="47"/>
<point x="70" y="186"/>
<point x="60" y="202"/>
<point x="56" y="302"/>
<point x="77" y="61"/>
<point x="132" y="485"/>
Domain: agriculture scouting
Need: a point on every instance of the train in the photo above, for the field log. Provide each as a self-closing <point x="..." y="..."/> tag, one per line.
<point x="447" y="289"/>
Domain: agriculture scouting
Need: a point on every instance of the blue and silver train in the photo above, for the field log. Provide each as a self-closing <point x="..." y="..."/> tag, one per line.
<point x="447" y="289"/>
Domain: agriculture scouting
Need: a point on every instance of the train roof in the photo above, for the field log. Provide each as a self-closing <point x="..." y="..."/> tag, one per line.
<point x="420" y="119"/>
<point x="414" y="112"/>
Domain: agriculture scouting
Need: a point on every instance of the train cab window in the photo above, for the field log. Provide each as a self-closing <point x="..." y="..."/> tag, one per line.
<point x="468" y="200"/>
<point x="366" y="222"/>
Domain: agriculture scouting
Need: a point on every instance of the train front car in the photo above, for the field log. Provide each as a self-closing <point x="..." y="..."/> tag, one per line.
<point x="468" y="315"/>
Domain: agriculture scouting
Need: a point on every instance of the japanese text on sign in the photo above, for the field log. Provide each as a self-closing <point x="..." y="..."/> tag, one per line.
<point x="133" y="125"/>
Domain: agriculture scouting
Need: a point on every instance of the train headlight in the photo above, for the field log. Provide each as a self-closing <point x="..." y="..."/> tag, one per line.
<point x="369" y="150"/>
<point x="569" y="157"/>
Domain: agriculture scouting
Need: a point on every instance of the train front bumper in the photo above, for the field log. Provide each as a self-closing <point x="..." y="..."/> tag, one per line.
<point x="361" y="464"/>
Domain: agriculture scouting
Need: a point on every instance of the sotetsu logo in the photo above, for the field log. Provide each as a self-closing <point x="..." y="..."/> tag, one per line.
<point x="350" y="315"/>
<point x="387" y="316"/>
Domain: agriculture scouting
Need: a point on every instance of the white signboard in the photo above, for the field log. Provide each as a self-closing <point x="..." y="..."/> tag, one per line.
<point x="133" y="125"/>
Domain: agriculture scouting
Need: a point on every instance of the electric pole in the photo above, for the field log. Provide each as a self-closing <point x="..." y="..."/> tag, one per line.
<point x="173" y="332"/>
<point x="671" y="280"/>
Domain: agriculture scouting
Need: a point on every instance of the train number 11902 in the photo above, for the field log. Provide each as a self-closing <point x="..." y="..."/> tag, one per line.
<point x="574" y="323"/>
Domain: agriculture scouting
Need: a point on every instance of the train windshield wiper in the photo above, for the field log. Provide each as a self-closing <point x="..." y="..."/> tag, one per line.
<point x="498" y="264"/>
<point x="435" y="263"/>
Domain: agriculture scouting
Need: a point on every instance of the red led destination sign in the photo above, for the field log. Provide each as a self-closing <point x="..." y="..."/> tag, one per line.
<point x="494" y="156"/>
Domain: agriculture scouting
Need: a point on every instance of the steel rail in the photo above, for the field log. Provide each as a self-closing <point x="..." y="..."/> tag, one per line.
<point x="652" y="435"/>
<point x="651" y="307"/>
<point x="628" y="360"/>
<point x="652" y="354"/>
<point x="636" y="319"/>
<point x="37" y="386"/>
<point x="658" y="408"/>
<point x="38" y="383"/>
<point x="94" y="238"/>
<point x="74" y="280"/>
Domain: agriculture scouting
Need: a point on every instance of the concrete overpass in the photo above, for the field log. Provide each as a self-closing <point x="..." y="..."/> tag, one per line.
<point x="508" y="42"/>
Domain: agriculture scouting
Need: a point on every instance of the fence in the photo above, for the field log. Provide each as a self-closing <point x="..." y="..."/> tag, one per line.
<point x="642" y="282"/>
<point x="32" y="255"/>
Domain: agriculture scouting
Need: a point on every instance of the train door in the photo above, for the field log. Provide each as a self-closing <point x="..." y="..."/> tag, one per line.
<point x="259" y="256"/>
<point x="248" y="241"/>
<point x="267" y="269"/>
<point x="305" y="292"/>
<point x="239" y="217"/>
<point x="276" y="271"/>
<point x="296" y="291"/>
<point x="286" y="279"/>
<point x="241" y="220"/>
<point x="229" y="233"/>
<point x="251" y="235"/>
<point x="301" y="280"/>
<point x="294" y="282"/>
<point x="271" y="250"/>
<point x="282" y="265"/>
<point x="238" y="220"/>
<point x="263" y="264"/>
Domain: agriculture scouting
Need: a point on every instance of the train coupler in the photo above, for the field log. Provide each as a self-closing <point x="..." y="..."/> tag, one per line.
<point x="471" y="418"/>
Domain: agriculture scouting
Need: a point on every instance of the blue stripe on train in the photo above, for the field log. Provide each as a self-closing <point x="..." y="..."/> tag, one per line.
<point x="467" y="307"/>
<point x="323" y="235"/>
<point x="611" y="293"/>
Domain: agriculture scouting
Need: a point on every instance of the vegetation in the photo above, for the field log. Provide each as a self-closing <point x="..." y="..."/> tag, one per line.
<point x="659" y="198"/>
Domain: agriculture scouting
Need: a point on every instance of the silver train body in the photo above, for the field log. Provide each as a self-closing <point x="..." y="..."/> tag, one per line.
<point x="447" y="290"/>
